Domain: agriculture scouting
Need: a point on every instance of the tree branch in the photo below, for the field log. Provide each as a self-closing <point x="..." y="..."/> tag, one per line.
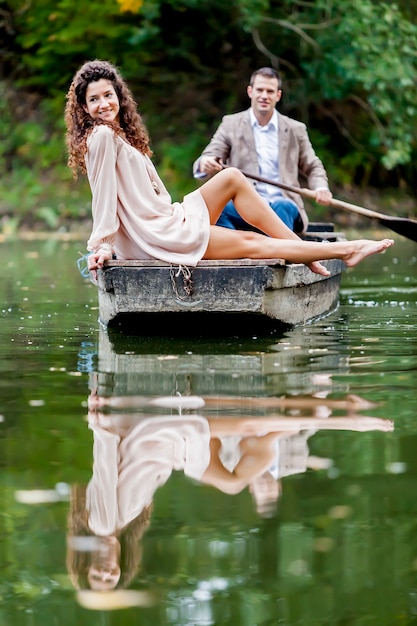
<point x="276" y="62"/>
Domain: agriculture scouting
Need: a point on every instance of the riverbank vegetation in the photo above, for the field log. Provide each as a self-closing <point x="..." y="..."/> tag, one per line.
<point x="349" y="72"/>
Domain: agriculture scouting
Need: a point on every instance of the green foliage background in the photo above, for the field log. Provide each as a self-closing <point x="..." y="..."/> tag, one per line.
<point x="349" y="72"/>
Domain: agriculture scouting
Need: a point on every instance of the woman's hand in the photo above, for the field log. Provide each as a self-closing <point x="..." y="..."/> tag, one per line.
<point x="96" y="261"/>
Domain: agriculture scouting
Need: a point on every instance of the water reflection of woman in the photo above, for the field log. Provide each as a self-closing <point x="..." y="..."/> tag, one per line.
<point x="132" y="459"/>
<point x="102" y="562"/>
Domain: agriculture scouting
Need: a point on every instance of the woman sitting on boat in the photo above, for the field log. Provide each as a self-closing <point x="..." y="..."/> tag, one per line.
<point x="134" y="216"/>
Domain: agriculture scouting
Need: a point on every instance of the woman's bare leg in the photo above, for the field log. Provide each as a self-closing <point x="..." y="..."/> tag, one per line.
<point x="282" y="243"/>
<point x="225" y="243"/>
<point x="257" y="455"/>
<point x="231" y="184"/>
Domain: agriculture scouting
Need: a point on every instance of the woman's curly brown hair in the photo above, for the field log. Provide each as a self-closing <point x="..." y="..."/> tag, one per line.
<point x="80" y="124"/>
<point x="79" y="562"/>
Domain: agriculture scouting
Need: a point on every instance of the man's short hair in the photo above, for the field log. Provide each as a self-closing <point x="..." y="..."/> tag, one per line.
<point x="267" y="72"/>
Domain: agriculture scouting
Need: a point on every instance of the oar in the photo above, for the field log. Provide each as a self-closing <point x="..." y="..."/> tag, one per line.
<point x="401" y="225"/>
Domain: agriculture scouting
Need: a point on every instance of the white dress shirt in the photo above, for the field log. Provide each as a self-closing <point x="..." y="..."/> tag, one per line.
<point x="267" y="150"/>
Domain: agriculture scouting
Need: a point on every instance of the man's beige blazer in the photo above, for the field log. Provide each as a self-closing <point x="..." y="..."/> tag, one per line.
<point x="234" y="143"/>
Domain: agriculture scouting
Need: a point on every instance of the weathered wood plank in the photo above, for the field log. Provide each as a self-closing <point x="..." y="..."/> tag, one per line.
<point x="289" y="294"/>
<point x="202" y="263"/>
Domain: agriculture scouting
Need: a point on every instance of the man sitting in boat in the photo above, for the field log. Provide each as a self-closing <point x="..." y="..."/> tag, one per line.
<point x="266" y="143"/>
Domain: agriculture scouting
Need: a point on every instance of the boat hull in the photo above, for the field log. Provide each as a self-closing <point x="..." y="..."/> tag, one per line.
<point x="280" y="293"/>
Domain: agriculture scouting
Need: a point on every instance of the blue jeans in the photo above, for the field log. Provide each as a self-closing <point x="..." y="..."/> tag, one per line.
<point x="286" y="209"/>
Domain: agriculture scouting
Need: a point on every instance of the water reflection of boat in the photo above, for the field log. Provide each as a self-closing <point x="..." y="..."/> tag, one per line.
<point x="225" y="395"/>
<point x="240" y="293"/>
<point x="170" y="421"/>
<point x="291" y="365"/>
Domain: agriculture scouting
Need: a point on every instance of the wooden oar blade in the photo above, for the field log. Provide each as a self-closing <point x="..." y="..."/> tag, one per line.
<point x="401" y="225"/>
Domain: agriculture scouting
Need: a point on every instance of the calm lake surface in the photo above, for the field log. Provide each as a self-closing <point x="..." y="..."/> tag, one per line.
<point x="241" y="481"/>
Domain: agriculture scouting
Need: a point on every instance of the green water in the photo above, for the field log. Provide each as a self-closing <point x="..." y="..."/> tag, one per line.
<point x="337" y="543"/>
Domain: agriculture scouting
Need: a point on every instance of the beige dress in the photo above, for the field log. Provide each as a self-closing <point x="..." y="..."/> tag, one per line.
<point x="128" y="470"/>
<point x="131" y="216"/>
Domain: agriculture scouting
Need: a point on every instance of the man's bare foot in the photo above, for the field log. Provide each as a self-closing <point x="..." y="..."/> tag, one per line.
<point x="363" y="248"/>
<point x="318" y="268"/>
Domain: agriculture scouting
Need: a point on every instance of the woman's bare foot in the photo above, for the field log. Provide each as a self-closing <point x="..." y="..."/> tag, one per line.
<point x="362" y="248"/>
<point x="318" y="268"/>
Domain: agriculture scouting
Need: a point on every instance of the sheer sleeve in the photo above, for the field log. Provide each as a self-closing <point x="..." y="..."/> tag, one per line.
<point x="101" y="170"/>
<point x="102" y="497"/>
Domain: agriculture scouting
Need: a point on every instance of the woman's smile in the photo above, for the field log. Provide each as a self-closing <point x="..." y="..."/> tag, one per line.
<point x="102" y="101"/>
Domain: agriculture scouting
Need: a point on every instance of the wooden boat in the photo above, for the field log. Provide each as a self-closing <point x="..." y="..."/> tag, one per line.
<point x="244" y="293"/>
